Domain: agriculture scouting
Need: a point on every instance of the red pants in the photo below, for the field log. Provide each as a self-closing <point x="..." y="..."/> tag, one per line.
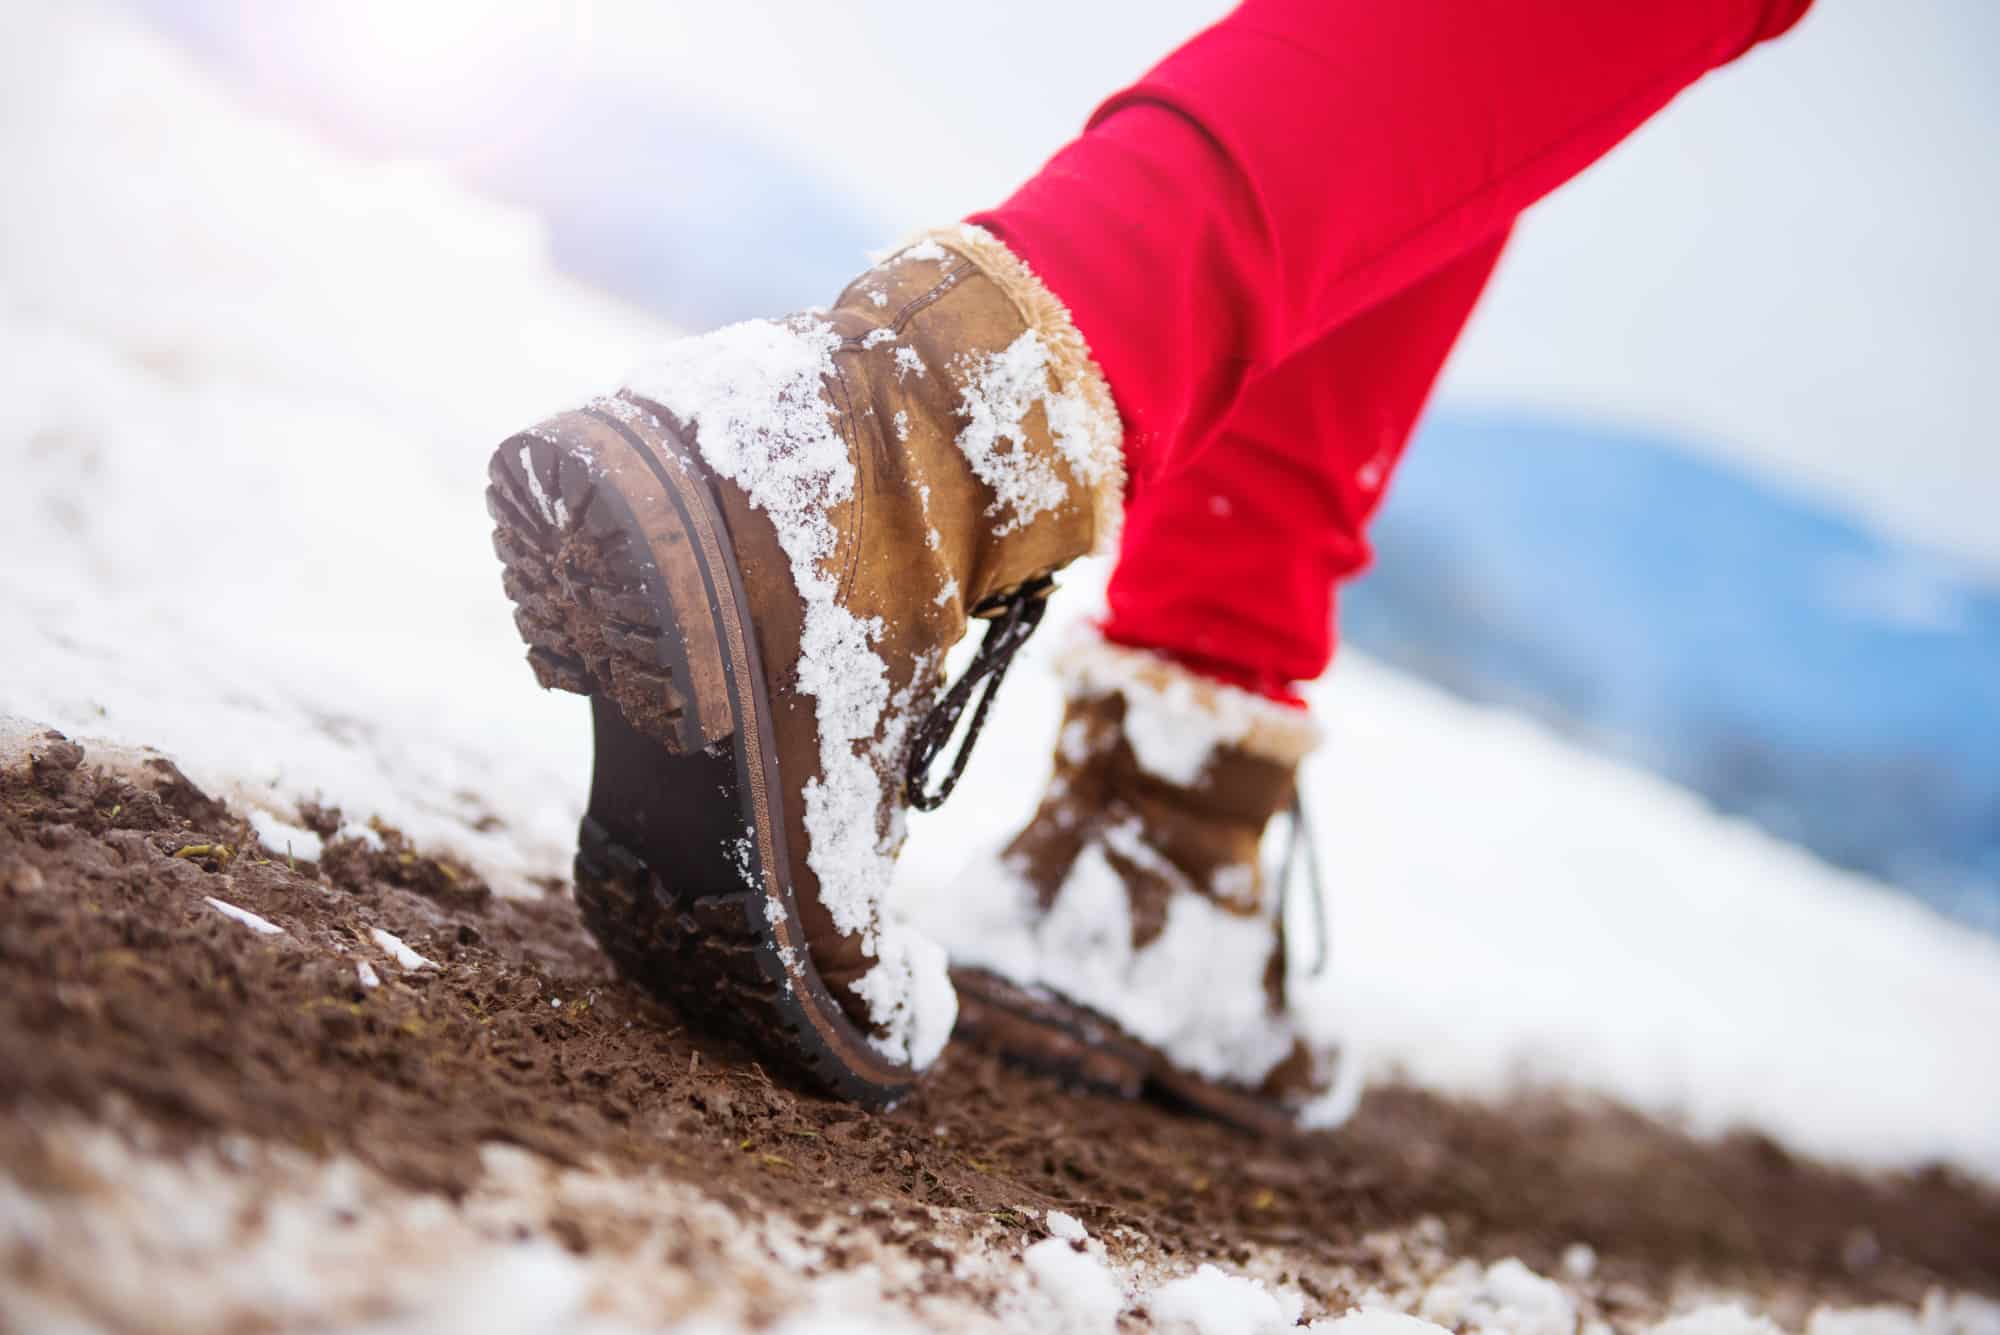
<point x="1271" y="242"/>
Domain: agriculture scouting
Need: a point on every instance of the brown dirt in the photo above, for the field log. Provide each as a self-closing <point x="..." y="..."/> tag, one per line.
<point x="118" y="981"/>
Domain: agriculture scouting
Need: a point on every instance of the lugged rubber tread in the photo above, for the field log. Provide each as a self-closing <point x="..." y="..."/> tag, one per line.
<point x="579" y="593"/>
<point x="713" y="968"/>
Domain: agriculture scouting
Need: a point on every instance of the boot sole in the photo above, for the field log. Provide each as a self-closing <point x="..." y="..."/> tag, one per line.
<point x="1044" y="1033"/>
<point x="626" y="590"/>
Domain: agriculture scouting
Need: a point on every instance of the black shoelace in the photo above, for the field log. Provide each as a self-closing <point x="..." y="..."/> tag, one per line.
<point x="1301" y="837"/>
<point x="1012" y="618"/>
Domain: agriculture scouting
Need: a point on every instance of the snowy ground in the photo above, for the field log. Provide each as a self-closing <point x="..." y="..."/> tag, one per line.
<point x="196" y="307"/>
<point x="270" y="1237"/>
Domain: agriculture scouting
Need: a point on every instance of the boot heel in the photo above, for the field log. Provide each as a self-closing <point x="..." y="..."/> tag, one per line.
<point x="609" y="590"/>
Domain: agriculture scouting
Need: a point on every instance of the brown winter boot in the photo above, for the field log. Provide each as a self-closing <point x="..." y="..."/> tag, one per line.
<point x="1128" y="937"/>
<point x="753" y="560"/>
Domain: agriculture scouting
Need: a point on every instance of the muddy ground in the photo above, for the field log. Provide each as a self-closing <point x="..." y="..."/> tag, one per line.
<point x="122" y="987"/>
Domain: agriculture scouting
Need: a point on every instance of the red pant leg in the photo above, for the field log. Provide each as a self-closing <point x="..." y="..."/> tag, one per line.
<point x="1230" y="557"/>
<point x="1304" y="160"/>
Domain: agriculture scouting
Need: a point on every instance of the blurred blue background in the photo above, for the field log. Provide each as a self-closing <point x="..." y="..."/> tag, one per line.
<point x="1710" y="484"/>
<point x="1837" y="687"/>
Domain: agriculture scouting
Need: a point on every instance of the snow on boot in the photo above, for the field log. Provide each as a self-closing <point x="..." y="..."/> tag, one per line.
<point x="1127" y="937"/>
<point x="753" y="560"/>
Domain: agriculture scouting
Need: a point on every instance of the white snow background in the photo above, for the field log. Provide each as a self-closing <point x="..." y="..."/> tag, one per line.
<point x="250" y="390"/>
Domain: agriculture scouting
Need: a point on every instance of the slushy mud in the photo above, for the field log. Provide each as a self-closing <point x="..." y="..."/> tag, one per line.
<point x="127" y="996"/>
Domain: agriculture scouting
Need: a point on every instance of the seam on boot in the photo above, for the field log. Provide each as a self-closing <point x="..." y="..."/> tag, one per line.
<point x="850" y="430"/>
<point x="917" y="305"/>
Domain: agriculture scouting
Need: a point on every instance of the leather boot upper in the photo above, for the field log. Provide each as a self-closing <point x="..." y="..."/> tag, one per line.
<point x="890" y="469"/>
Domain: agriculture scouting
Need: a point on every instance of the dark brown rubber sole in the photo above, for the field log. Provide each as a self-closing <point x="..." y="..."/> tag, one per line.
<point x="626" y="589"/>
<point x="1044" y="1033"/>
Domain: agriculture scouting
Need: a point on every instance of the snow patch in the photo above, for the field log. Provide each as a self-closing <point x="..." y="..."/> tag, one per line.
<point x="1236" y="885"/>
<point x="1864" y="1321"/>
<point x="1942" y="1314"/>
<point x="294" y="841"/>
<point x="1174" y="719"/>
<point x="370" y="980"/>
<point x="1210" y="1302"/>
<point x="1085" y="1296"/>
<point x="1376" y="1321"/>
<point x="1000" y="389"/>
<point x="1195" y="991"/>
<point x="552" y="507"/>
<point x="1719" y="1319"/>
<point x="367" y="835"/>
<point x="949" y="589"/>
<point x="743" y="856"/>
<point x="1348" y="1081"/>
<point x="1066" y="1226"/>
<point x="261" y="926"/>
<point x="393" y="947"/>
<point x="1505" y="1296"/>
<point x="1960" y="1314"/>
<point x="1579" y="1261"/>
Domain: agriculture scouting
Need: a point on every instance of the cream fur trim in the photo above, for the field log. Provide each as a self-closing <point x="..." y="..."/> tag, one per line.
<point x="1101" y="459"/>
<point x="1195" y="709"/>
